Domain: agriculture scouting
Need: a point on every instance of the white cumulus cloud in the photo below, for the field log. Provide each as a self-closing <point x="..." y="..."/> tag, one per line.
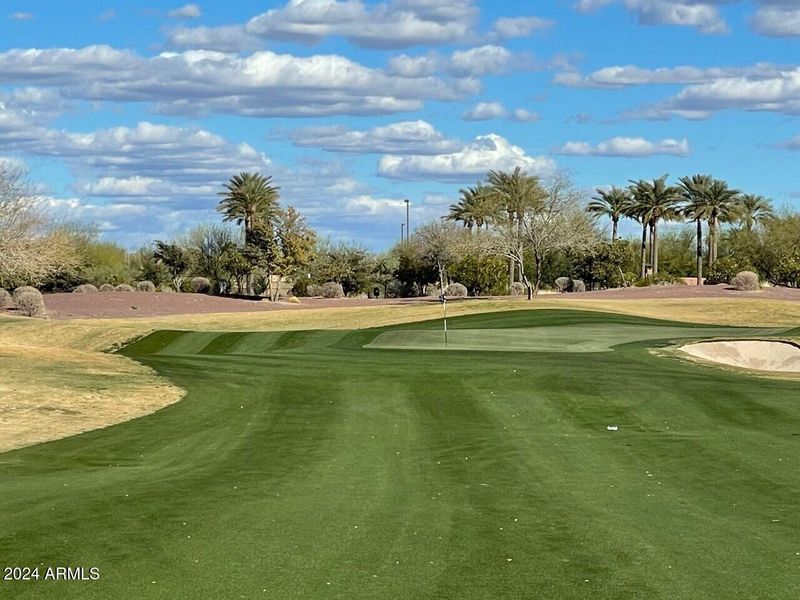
<point x="468" y="164"/>
<point x="515" y="27"/>
<point x="627" y="147"/>
<point x="484" y="111"/>
<point x="777" y="19"/>
<point x="198" y="82"/>
<point x="187" y="11"/>
<point x="702" y="15"/>
<point x="407" y="137"/>
<point x="393" y="24"/>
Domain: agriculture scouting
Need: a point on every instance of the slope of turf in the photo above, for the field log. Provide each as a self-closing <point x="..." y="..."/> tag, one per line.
<point x="310" y="465"/>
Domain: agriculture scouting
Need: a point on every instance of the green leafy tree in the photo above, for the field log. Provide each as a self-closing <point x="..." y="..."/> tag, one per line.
<point x="480" y="272"/>
<point x="347" y="264"/>
<point x="234" y="261"/>
<point x="207" y="244"/>
<point x="605" y="264"/>
<point x="175" y="259"/>
<point x="280" y="247"/>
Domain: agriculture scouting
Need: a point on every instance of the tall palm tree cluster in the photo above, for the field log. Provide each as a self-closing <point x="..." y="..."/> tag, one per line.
<point x="699" y="198"/>
<point x="503" y="200"/>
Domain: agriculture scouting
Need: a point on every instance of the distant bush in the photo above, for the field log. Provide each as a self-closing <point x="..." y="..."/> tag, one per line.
<point x="25" y="289"/>
<point x="331" y="289"/>
<point x="123" y="287"/>
<point x="145" y="286"/>
<point x="312" y="290"/>
<point x="746" y="281"/>
<point x="30" y="304"/>
<point x="166" y="289"/>
<point x="292" y="300"/>
<point x="432" y="291"/>
<point x="725" y="269"/>
<point x="456" y="290"/>
<point x="200" y="285"/>
<point x="106" y="287"/>
<point x="86" y="288"/>
<point x="577" y="286"/>
<point x="6" y="301"/>
<point x="518" y="289"/>
<point x="563" y="284"/>
<point x="660" y="279"/>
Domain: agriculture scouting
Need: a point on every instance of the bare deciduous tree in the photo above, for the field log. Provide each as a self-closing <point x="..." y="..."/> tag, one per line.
<point x="559" y="222"/>
<point x="31" y="248"/>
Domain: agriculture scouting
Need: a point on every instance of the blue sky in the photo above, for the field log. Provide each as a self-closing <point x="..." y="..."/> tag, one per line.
<point x="132" y="115"/>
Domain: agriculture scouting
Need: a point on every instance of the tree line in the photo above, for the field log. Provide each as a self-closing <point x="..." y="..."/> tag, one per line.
<point x="511" y="233"/>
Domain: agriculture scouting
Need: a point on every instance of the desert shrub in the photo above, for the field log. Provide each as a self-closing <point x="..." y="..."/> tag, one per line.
<point x="432" y="291"/>
<point x="123" y="287"/>
<point x="6" y="301"/>
<point x="146" y="286"/>
<point x="200" y="285"/>
<point x="86" y="288"/>
<point x="726" y="268"/>
<point x="746" y="281"/>
<point x="25" y="289"/>
<point x="660" y="279"/>
<point x="106" y="287"/>
<point x="292" y="299"/>
<point x="30" y="304"/>
<point x="563" y="284"/>
<point x="331" y="289"/>
<point x="577" y="286"/>
<point x="312" y="290"/>
<point x="166" y="289"/>
<point x="456" y="290"/>
<point x="518" y="288"/>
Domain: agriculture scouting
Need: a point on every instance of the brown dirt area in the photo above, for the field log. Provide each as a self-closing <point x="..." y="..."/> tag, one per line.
<point x="125" y="305"/>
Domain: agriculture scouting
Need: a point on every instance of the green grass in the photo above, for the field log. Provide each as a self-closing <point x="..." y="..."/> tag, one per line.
<point x="306" y="465"/>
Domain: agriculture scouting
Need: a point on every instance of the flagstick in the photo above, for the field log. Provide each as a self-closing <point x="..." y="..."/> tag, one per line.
<point x="444" y="310"/>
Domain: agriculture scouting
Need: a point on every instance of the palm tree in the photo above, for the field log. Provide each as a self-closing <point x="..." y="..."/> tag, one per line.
<point x="720" y="206"/>
<point x="611" y="203"/>
<point x="753" y="210"/>
<point x="250" y="200"/>
<point x="654" y="201"/>
<point x="473" y="208"/>
<point x="693" y="190"/>
<point x="513" y="194"/>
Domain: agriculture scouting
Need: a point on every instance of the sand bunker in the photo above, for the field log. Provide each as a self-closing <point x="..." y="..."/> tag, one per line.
<point x="760" y="355"/>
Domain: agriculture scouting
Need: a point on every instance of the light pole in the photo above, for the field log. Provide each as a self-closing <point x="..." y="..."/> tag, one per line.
<point x="408" y="227"/>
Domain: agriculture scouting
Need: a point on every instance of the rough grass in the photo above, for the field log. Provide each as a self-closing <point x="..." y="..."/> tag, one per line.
<point x="49" y="393"/>
<point x="303" y="465"/>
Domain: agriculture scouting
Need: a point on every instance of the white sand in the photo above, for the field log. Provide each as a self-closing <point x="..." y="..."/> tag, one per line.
<point x="759" y="355"/>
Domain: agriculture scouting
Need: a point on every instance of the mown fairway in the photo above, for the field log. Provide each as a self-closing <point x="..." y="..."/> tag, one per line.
<point x="306" y="465"/>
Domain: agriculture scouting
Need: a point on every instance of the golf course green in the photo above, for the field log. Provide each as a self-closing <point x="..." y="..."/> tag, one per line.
<point x="378" y="464"/>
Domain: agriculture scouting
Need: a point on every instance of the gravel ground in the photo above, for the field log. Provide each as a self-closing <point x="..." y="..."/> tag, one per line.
<point x="145" y="304"/>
